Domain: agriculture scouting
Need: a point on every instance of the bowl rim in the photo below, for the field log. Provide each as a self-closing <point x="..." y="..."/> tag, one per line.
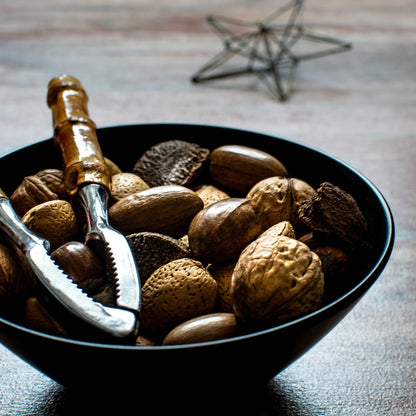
<point x="370" y="277"/>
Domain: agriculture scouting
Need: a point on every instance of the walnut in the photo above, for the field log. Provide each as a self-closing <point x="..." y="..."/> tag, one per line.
<point x="46" y="185"/>
<point x="278" y="199"/>
<point x="275" y="280"/>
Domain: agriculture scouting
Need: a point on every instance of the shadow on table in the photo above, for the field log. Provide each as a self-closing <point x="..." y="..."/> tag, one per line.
<point x="272" y="399"/>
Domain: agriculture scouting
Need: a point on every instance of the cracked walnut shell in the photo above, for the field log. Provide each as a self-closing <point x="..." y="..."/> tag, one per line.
<point x="276" y="279"/>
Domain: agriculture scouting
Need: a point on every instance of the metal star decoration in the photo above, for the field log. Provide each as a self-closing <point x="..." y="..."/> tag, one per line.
<point x="267" y="49"/>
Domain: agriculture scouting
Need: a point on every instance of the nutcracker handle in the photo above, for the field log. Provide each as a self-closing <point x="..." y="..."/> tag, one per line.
<point x="75" y="134"/>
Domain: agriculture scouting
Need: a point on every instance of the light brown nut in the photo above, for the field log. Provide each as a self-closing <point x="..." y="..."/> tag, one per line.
<point x="281" y="228"/>
<point x="142" y="341"/>
<point x="210" y="194"/>
<point x="276" y="279"/>
<point x="173" y="162"/>
<point x="54" y="221"/>
<point x="152" y="250"/>
<point x="112" y="168"/>
<point x="15" y="281"/>
<point x="220" y="231"/>
<point x="46" y="185"/>
<point x="175" y="292"/>
<point x="223" y="273"/>
<point x="211" y="327"/>
<point x="124" y="184"/>
<point x="278" y="199"/>
<point x="36" y="317"/>
<point x="240" y="167"/>
<point x="163" y="209"/>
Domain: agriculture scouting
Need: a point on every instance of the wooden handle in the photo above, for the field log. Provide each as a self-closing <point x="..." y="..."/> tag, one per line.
<point x="75" y="134"/>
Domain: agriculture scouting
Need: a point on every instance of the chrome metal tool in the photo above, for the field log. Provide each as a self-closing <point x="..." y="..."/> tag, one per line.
<point x="86" y="175"/>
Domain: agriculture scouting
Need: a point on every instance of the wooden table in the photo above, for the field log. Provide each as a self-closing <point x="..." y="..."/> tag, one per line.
<point x="135" y="59"/>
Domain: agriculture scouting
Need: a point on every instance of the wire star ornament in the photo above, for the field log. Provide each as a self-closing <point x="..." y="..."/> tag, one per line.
<point x="267" y="49"/>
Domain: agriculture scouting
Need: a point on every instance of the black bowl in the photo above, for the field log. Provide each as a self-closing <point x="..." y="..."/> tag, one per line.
<point x="253" y="358"/>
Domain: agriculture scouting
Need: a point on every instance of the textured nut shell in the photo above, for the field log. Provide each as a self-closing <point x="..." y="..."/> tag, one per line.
<point x="46" y="185"/>
<point x="278" y="199"/>
<point x="152" y="250"/>
<point x="220" y="231"/>
<point x="178" y="291"/>
<point x="54" y="221"/>
<point x="276" y="279"/>
<point x="173" y="162"/>
<point x="281" y="228"/>
<point x="163" y="209"/>
<point x="210" y="194"/>
<point x="14" y="281"/>
<point x="124" y="184"/>
<point x="223" y="273"/>
<point x="204" y="328"/>
<point x="240" y="167"/>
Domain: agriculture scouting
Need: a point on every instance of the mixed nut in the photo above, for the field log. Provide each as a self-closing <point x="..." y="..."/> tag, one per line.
<point x="249" y="248"/>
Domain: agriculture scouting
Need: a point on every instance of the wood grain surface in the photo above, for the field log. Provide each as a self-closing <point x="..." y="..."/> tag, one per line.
<point x="135" y="58"/>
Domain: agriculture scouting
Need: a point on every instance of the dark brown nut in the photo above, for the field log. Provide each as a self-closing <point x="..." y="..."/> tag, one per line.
<point x="46" y="185"/>
<point x="173" y="162"/>
<point x="334" y="261"/>
<point x="281" y="228"/>
<point x="162" y="209"/>
<point x="278" y="199"/>
<point x="239" y="167"/>
<point x="210" y="194"/>
<point x="124" y="184"/>
<point x="175" y="292"/>
<point x="54" y="221"/>
<point x="223" y="273"/>
<point x="36" y="317"/>
<point x="211" y="327"/>
<point x="15" y="280"/>
<point x="220" y="231"/>
<point x="152" y="250"/>
<point x="79" y="262"/>
<point x="275" y="280"/>
<point x="332" y="210"/>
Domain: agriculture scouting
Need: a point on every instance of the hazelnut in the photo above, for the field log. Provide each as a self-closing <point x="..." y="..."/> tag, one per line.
<point x="79" y="262"/>
<point x="276" y="279"/>
<point x="210" y="194"/>
<point x="204" y="328"/>
<point x="54" y="221"/>
<point x="177" y="291"/>
<point x="112" y="168"/>
<point x="163" y="209"/>
<point x="46" y="185"/>
<point x="220" y="231"/>
<point x="124" y="184"/>
<point x="278" y="199"/>
<point x="240" y="167"/>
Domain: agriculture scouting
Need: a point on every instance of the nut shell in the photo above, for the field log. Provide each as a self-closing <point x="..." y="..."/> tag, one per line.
<point x="124" y="184"/>
<point x="54" y="221"/>
<point x="162" y="209"/>
<point x="278" y="199"/>
<point x="223" y="274"/>
<point x="240" y="167"/>
<point x="180" y="290"/>
<point x="204" y="328"/>
<point x="220" y="231"/>
<point x="276" y="279"/>
<point x="210" y="194"/>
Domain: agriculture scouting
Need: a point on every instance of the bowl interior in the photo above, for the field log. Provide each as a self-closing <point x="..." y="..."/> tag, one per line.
<point x="124" y="145"/>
